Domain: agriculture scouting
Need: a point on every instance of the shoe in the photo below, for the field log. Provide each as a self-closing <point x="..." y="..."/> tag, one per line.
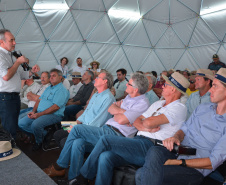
<point x="52" y="172"/>
<point x="37" y="146"/>
<point x="62" y="182"/>
<point x="80" y="180"/>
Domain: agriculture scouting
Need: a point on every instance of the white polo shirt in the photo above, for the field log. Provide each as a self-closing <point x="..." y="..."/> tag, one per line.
<point x="176" y="113"/>
<point x="14" y="84"/>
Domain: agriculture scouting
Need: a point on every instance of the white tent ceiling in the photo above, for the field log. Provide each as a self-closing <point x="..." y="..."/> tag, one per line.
<point x="175" y="34"/>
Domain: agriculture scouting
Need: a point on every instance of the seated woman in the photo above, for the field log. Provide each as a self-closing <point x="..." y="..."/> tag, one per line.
<point x="63" y="66"/>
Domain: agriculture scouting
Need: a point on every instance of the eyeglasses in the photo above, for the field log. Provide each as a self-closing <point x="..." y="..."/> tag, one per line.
<point x="191" y="81"/>
<point x="131" y="85"/>
<point x="99" y="78"/>
<point x="165" y="84"/>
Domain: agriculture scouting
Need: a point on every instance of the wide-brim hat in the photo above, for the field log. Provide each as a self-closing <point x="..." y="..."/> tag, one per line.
<point x="178" y="81"/>
<point x="205" y="73"/>
<point x="7" y="152"/>
<point x="221" y="75"/>
<point x="98" y="64"/>
<point x="76" y="75"/>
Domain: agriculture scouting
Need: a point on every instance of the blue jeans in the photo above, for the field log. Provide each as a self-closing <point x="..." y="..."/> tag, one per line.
<point x="154" y="172"/>
<point x="81" y="139"/>
<point x="24" y="112"/>
<point x="36" y="126"/>
<point x="112" y="151"/>
<point x="9" y="112"/>
<point x="71" y="110"/>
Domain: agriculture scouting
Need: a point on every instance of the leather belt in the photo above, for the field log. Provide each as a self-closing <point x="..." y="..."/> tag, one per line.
<point x="152" y="140"/>
<point x="116" y="130"/>
<point x="10" y="93"/>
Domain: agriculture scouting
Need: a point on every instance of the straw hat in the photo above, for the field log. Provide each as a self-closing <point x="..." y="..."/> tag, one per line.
<point x="205" y="73"/>
<point x="7" y="152"/>
<point x="178" y="81"/>
<point x="76" y="75"/>
<point x="221" y="75"/>
<point x="98" y="64"/>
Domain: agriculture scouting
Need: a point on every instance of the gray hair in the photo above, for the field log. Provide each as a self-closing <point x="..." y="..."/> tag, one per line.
<point x="91" y="74"/>
<point x="141" y="82"/>
<point x="47" y="72"/>
<point x="109" y="78"/>
<point x="153" y="79"/>
<point x="2" y="33"/>
<point x="57" y="71"/>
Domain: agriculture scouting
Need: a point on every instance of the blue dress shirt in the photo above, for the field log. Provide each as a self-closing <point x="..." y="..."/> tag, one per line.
<point x="205" y="130"/>
<point x="195" y="100"/>
<point x="152" y="97"/>
<point x="96" y="113"/>
<point x="56" y="94"/>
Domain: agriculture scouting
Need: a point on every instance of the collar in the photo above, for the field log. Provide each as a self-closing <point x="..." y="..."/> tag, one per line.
<point x="213" y="106"/>
<point x="5" y="51"/>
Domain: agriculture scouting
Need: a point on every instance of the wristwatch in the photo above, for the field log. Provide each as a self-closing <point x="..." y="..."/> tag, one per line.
<point x="183" y="163"/>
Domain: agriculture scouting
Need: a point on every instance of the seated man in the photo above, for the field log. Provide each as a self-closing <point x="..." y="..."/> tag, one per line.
<point x="76" y="104"/>
<point x="203" y="82"/>
<point x="158" y="87"/>
<point x="150" y="94"/>
<point x="120" y="86"/>
<point x="161" y="120"/>
<point x="216" y="64"/>
<point x="48" y="110"/>
<point x="34" y="96"/>
<point x="96" y="113"/>
<point x="205" y="131"/>
<point x="27" y="86"/>
<point x="84" y="137"/>
<point x="76" y="79"/>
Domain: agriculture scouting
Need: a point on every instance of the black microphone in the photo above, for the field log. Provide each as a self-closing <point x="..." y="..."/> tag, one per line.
<point x="18" y="54"/>
<point x="179" y="149"/>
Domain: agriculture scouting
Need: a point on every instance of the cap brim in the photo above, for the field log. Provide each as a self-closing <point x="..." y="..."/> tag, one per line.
<point x="168" y="81"/>
<point x="206" y="76"/>
<point x="16" y="152"/>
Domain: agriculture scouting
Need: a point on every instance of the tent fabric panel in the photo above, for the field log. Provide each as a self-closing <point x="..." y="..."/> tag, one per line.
<point x="185" y="29"/>
<point x="155" y="30"/>
<point x="86" y="20"/>
<point x="169" y="57"/>
<point x="138" y="36"/>
<point x="216" y="21"/>
<point x="30" y="30"/>
<point x="103" y="53"/>
<point x="14" y="22"/>
<point x="170" y="40"/>
<point x="202" y="35"/>
<point x="49" y="20"/>
<point x="203" y="55"/>
<point x="65" y="49"/>
<point x="67" y="30"/>
<point x="152" y="63"/>
<point x="96" y="5"/>
<point x="103" y="32"/>
<point x="136" y="56"/>
<point x="162" y="7"/>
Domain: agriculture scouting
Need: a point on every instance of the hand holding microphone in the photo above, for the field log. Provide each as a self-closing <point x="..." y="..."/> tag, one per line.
<point x="20" y="58"/>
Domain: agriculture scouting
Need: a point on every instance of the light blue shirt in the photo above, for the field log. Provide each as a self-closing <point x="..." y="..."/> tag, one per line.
<point x="195" y="100"/>
<point x="134" y="107"/>
<point x="205" y="130"/>
<point x="152" y="97"/>
<point x="96" y="113"/>
<point x="56" y="94"/>
<point x="120" y="88"/>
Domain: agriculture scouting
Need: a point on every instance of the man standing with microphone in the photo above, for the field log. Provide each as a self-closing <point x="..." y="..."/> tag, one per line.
<point x="11" y="74"/>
